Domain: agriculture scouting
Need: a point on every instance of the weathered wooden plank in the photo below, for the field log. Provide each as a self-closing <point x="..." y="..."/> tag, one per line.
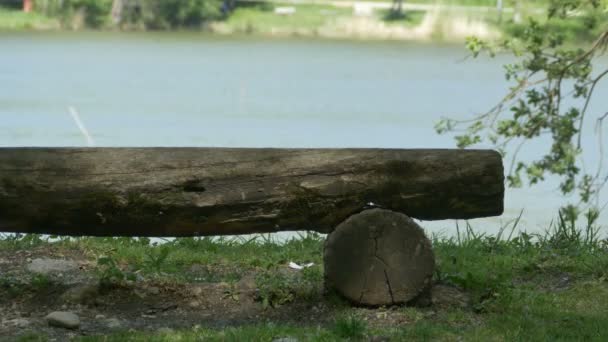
<point x="214" y="191"/>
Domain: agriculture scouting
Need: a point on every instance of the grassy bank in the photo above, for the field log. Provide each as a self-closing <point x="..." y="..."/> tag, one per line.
<point x="329" y="21"/>
<point x="326" y="21"/>
<point x="19" y="21"/>
<point x="260" y="18"/>
<point x="442" y="23"/>
<point x="487" y="288"/>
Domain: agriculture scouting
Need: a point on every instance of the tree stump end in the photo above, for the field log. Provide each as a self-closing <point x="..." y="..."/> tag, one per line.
<point x="379" y="257"/>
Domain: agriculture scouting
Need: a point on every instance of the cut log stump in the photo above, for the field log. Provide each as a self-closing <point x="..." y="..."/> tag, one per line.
<point x="378" y="257"/>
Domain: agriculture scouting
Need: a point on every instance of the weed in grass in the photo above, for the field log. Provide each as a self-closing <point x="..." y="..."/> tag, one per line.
<point x="11" y="287"/>
<point x="40" y="282"/>
<point x="413" y="314"/>
<point x="275" y="289"/>
<point x="349" y="327"/>
<point x="203" y="243"/>
<point x="232" y="293"/>
<point x="566" y="235"/>
<point x="430" y="331"/>
<point x="32" y="337"/>
<point x="311" y="284"/>
<point x="156" y="257"/>
<point x="109" y="273"/>
<point x="22" y="241"/>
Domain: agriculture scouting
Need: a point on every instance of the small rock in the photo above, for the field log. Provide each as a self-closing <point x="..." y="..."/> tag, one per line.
<point x="100" y="316"/>
<point x="222" y="286"/>
<point x="194" y="304"/>
<point x="285" y="339"/>
<point x="83" y="294"/>
<point x="17" y="323"/>
<point x="50" y="266"/>
<point x="197" y="291"/>
<point x="247" y="283"/>
<point x="153" y="290"/>
<point x="63" y="319"/>
<point x="113" y="323"/>
<point x="197" y="268"/>
<point x="382" y="315"/>
<point x="139" y="293"/>
<point x="449" y="296"/>
<point x="563" y="283"/>
<point x="164" y="330"/>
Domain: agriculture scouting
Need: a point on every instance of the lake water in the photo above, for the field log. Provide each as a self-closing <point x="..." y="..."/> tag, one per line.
<point x="168" y="89"/>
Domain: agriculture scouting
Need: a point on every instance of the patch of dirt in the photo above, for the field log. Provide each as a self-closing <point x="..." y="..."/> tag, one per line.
<point x="549" y="281"/>
<point x="154" y="305"/>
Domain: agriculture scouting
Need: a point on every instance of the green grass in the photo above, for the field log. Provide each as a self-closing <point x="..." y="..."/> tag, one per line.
<point x="486" y="3"/>
<point x="260" y="18"/>
<point x="262" y="332"/>
<point x="349" y="327"/>
<point x="18" y="20"/>
<point x="514" y="281"/>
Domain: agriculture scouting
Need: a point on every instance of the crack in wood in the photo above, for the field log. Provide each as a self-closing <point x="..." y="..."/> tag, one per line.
<point x="377" y="257"/>
<point x="364" y="290"/>
<point x="388" y="284"/>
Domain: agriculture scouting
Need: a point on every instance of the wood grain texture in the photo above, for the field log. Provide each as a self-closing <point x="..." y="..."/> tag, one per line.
<point x="215" y="191"/>
<point x="378" y="257"/>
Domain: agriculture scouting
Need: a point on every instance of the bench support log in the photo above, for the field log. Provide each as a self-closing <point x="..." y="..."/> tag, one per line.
<point x="378" y="257"/>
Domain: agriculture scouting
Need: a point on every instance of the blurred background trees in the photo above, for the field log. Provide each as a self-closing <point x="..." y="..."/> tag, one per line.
<point x="148" y="14"/>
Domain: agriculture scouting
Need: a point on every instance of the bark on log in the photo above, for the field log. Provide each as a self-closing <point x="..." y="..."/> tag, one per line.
<point x="378" y="257"/>
<point x="214" y="191"/>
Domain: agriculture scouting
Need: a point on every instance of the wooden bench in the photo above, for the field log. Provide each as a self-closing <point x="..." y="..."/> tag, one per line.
<point x="375" y="253"/>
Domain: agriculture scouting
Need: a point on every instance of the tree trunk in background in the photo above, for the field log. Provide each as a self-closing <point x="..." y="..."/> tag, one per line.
<point x="499" y="8"/>
<point x="117" y="9"/>
<point x="214" y="191"/>
<point x="397" y="7"/>
<point x="517" y="17"/>
<point x="28" y="6"/>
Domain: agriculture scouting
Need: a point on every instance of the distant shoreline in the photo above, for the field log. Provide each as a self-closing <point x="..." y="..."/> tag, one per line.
<point x="419" y="22"/>
<point x="358" y="20"/>
<point x="418" y="26"/>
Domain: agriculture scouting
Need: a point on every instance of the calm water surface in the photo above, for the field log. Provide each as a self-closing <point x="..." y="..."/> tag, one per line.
<point x="167" y="89"/>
